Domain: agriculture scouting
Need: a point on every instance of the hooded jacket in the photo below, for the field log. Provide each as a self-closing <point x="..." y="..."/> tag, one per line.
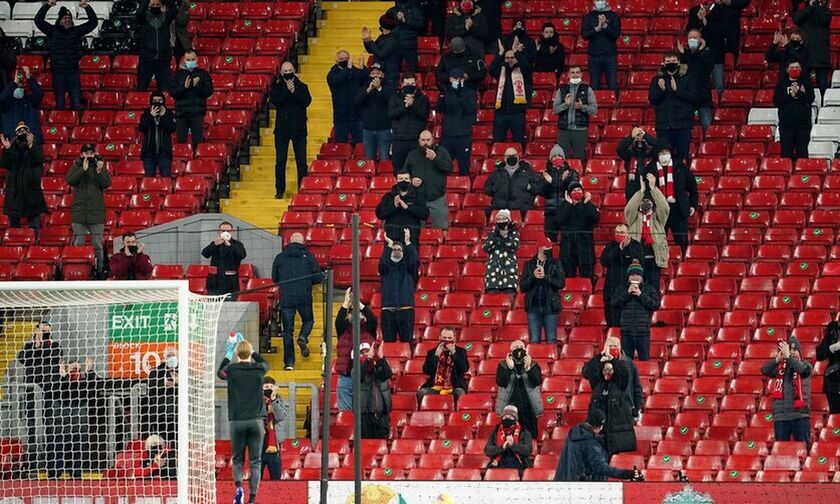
<point x="814" y="22"/>
<point x="470" y="61"/>
<point x="674" y="109"/>
<point x="601" y="43"/>
<point x="458" y="107"/>
<point x="794" y="112"/>
<point x="65" y="43"/>
<point x="191" y="101"/>
<point x="23" y="165"/>
<point x="396" y="219"/>
<point x="26" y="109"/>
<point x="577" y="223"/>
<point x="516" y="192"/>
<point x="659" y="216"/>
<point x="783" y="409"/>
<point x="407" y="122"/>
<point x="831" y="383"/>
<point x="508" y="107"/>
<point x="636" y="310"/>
<point x="584" y="458"/>
<point x="685" y="187"/>
<point x="542" y="293"/>
<point x="88" y="205"/>
<point x="157" y="133"/>
<point x="399" y="279"/>
<point x="432" y="172"/>
<point x="296" y="270"/>
<point x="291" y="108"/>
<point x="476" y="37"/>
<point x="345" y="84"/>
<point x="154" y="33"/>
<point x="610" y="396"/>
<point x="373" y="107"/>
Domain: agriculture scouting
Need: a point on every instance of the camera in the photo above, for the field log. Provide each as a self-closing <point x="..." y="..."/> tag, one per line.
<point x="518" y="356"/>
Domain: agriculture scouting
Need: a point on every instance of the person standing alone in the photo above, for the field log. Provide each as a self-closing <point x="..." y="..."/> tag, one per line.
<point x="292" y="98"/>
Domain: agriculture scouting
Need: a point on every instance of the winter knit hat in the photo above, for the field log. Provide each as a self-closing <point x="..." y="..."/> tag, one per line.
<point x="596" y="418"/>
<point x="635" y="268"/>
<point x="387" y="22"/>
<point x="556" y="151"/>
<point x="504" y="212"/>
<point x="458" y="45"/>
<point x="21" y="126"/>
<point x="510" y="409"/>
<point x="64" y="11"/>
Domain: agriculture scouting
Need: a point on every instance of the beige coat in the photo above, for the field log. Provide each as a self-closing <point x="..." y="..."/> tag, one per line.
<point x="658" y="220"/>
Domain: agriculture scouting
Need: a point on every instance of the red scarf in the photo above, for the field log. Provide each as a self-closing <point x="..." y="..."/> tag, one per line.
<point x="647" y="236"/>
<point x="270" y="434"/>
<point x="443" y="374"/>
<point x="502" y="434"/>
<point x="778" y="387"/>
<point x="666" y="181"/>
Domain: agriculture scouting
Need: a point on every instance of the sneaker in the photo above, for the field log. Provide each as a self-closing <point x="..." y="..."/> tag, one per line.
<point x="304" y="348"/>
<point x="289" y="368"/>
<point x="252" y="499"/>
<point x="238" y="496"/>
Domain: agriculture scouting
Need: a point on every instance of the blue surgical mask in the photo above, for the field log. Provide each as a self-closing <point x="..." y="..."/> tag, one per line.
<point x="191" y="65"/>
<point x="600" y="5"/>
<point x="693" y="43"/>
<point x="172" y="362"/>
<point x="455" y="84"/>
<point x="18" y="93"/>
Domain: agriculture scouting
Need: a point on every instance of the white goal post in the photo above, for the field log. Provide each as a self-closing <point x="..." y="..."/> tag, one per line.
<point x="92" y="395"/>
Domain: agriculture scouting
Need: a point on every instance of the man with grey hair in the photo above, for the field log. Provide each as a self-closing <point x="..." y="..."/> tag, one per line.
<point x="291" y="98"/>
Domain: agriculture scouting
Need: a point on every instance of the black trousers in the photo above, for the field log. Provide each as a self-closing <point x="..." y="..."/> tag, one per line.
<point x="514" y="122"/>
<point x="795" y="142"/>
<point x="281" y="149"/>
<point x="678" y="226"/>
<point x="460" y="148"/>
<point x="398" y="322"/>
<point x="375" y="426"/>
<point x="611" y="315"/>
<point x="160" y="68"/>
<point x="573" y="267"/>
<point x="833" y="403"/>
<point x="399" y="151"/>
<point x="193" y="124"/>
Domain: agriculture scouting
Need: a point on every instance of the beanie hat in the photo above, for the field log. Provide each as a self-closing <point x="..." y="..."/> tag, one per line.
<point x="387" y="22"/>
<point x="21" y="125"/>
<point x="64" y="11"/>
<point x="595" y="418"/>
<point x="556" y="151"/>
<point x="87" y="148"/>
<point x="635" y="268"/>
<point x="504" y="212"/>
<point x="510" y="409"/>
<point x="456" y="73"/>
<point x="457" y="44"/>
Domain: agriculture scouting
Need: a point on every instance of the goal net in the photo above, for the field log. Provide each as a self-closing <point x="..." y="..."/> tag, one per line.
<point x="106" y="393"/>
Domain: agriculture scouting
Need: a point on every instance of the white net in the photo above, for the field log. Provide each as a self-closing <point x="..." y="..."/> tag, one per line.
<point x="91" y="397"/>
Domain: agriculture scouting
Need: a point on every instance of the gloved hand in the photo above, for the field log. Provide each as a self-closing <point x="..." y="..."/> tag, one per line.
<point x="627" y="474"/>
<point x="233" y="339"/>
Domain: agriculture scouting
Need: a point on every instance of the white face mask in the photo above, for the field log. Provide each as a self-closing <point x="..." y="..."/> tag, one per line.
<point x="575" y="80"/>
<point x="18" y="93"/>
<point x="225" y="236"/>
<point x="172" y="362"/>
<point x="664" y="159"/>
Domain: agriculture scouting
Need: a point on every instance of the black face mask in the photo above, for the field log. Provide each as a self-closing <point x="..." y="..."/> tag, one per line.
<point x="403" y="185"/>
<point x="512" y="160"/>
<point x="132" y="249"/>
<point x="157" y="104"/>
<point x="795" y="43"/>
<point x="46" y="335"/>
<point x="342" y="64"/>
<point x="646" y="206"/>
<point x="289" y="76"/>
<point x="409" y="89"/>
<point x="156" y="11"/>
<point x="267" y="393"/>
<point x="502" y="225"/>
<point x="519" y="32"/>
<point x="640" y="145"/>
<point x="518" y="355"/>
<point x="671" y="67"/>
<point x="507" y="423"/>
<point x="21" y="138"/>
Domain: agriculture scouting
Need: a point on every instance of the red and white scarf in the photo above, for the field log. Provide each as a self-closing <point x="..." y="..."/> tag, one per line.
<point x="502" y="434"/>
<point x="777" y="390"/>
<point x="443" y="374"/>
<point x="518" y="84"/>
<point x="666" y="181"/>
<point x="647" y="235"/>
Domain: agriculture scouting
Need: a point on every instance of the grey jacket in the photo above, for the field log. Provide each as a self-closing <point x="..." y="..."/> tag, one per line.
<point x="282" y="418"/>
<point x="590" y="109"/>
<point x="783" y="408"/>
<point x="533" y="389"/>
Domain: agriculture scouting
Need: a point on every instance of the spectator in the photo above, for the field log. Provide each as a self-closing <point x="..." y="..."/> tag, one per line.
<point x="637" y="151"/>
<point x="344" y="346"/>
<point x="637" y="300"/>
<point x="467" y="22"/>
<point x="673" y="95"/>
<point x="345" y="82"/>
<point x="89" y="178"/>
<point x="612" y="347"/>
<point x="131" y="262"/>
<point x="584" y="457"/>
<point x="276" y="426"/>
<point x="601" y="28"/>
<point x="17" y="105"/>
<point x="501" y="245"/>
<point x="225" y="254"/>
<point x="445" y="367"/>
<point x="428" y="166"/>
<point x="385" y="50"/>
<point x="375" y="392"/>
<point x="513" y="93"/>
<point x="159" y="407"/>
<point x="193" y="86"/>
<point x="513" y="185"/>
<point x="403" y="208"/>
<point x="556" y="179"/>
<point x="435" y="12"/>
<point x="372" y="100"/>
<point x="407" y="109"/>
<point x="458" y="106"/>
<point x="577" y="217"/>
<point x="574" y="104"/>
<point x="542" y="281"/>
<point x="296" y="271"/>
<point x="461" y="57"/>
<point x="794" y="96"/>
<point x="291" y="98"/>
<point x="551" y="54"/>
<point x="616" y="257"/>
<point x="509" y="445"/>
<point x="8" y="58"/>
<point x="157" y="125"/>
<point x="518" y="41"/>
<point x="609" y="377"/>
<point x="183" y="44"/>
<point x="646" y="214"/>
<point x="720" y="24"/>
<point x="814" y="22"/>
<point x="152" y="458"/>
<point x="75" y="395"/>
<point x="679" y="187"/>
<point x="154" y="43"/>
<point x="829" y="349"/>
<point x="700" y="61"/>
<point x="23" y="159"/>
<point x="790" y="388"/>
<point x="410" y="22"/>
<point x="786" y="48"/>
<point x="519" y="379"/>
<point x="398" y="270"/>
<point x="65" y="41"/>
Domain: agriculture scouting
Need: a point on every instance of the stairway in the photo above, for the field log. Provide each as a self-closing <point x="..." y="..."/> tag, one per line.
<point x="14" y="334"/>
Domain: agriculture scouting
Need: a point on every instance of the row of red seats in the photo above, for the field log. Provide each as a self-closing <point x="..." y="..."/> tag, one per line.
<point x="107" y="118"/>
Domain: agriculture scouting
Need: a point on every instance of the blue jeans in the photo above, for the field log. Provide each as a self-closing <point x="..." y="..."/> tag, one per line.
<point x="799" y="429"/>
<point x="348" y="128"/>
<point x="272" y="462"/>
<point x="345" y="393"/>
<point x="606" y="66"/>
<point x="632" y="343"/>
<point x="705" y="114"/>
<point x="717" y="76"/>
<point x="539" y="320"/>
<point x="153" y="162"/>
<point x="288" y="315"/>
<point x="377" y="141"/>
<point x="65" y="83"/>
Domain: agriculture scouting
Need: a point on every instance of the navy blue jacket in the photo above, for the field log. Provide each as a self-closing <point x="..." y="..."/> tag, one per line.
<point x="25" y="109"/>
<point x="399" y="279"/>
<point x="601" y="43"/>
<point x="584" y="458"/>
<point x="296" y="270"/>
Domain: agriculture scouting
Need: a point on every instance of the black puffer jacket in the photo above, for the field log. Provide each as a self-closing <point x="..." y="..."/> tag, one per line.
<point x="407" y="122"/>
<point x="831" y="383"/>
<point x="296" y="269"/>
<point x="507" y="105"/>
<point x="23" y="165"/>
<point x="794" y="112"/>
<point x="674" y="109"/>
<point x="515" y="192"/>
<point x="386" y="51"/>
<point x="601" y="43"/>
<point x="458" y="107"/>
<point x="88" y="205"/>
<point x="785" y="54"/>
<point x="408" y="30"/>
<point x="576" y="224"/>
<point x="611" y="398"/>
<point x="191" y="101"/>
<point x="471" y="62"/>
<point x="345" y="84"/>
<point x="154" y="34"/>
<point x="700" y="64"/>
<point x="476" y="37"/>
<point x="548" y="61"/>
<point x="65" y="43"/>
<point x="157" y="134"/>
<point x="542" y="293"/>
<point x="615" y="261"/>
<point x="373" y="107"/>
<point x="396" y="219"/>
<point x="814" y="22"/>
<point x="554" y="192"/>
<point x="431" y="172"/>
<point x="636" y="310"/>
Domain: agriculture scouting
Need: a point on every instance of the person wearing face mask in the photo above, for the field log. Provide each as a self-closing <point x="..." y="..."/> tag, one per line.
<point x="794" y="96"/>
<point x="612" y="347"/>
<point x="556" y="178"/>
<point x="276" y="427"/>
<point x="344" y="345"/>
<point x="577" y="217"/>
<point x="157" y="125"/>
<point x="375" y="391"/>
<point x="679" y="187"/>
<point x="408" y="109"/>
<point x="345" y="81"/>
<point x="519" y="379"/>
<point x="584" y="457"/>
<point x="464" y="58"/>
<point x="226" y="254"/>
<point x="673" y="94"/>
<point x="429" y="164"/>
<point x="73" y="422"/>
<point x="601" y="28"/>
<point x="458" y="104"/>
<point x="608" y="377"/>
<point x="551" y="54"/>
<point x="131" y="262"/>
<point x="829" y="350"/>
<point x="637" y="151"/>
<point x="719" y="21"/>
<point x="615" y="258"/>
<point x="398" y="269"/>
<point x="159" y="407"/>
<point x="385" y="49"/>
<point x="291" y="98"/>
<point x="445" y="367"/>
<point x="637" y="301"/>
<point x="814" y="23"/>
<point x="372" y="100"/>
<point x="786" y="48"/>
<point x="23" y="161"/>
<point x="501" y="244"/>
<point x="513" y="93"/>
<point x="154" y="33"/>
<point x="468" y="22"/>
<point x="542" y="281"/>
<point x="518" y="41"/>
<point x="404" y="207"/>
<point x="89" y="179"/>
<point x="65" y="43"/>
<point x="646" y="214"/>
<point x="513" y="185"/>
<point x="700" y="61"/>
<point x="156" y="460"/>
<point x="17" y="105"/>
<point x="509" y="445"/>
<point x="574" y="104"/>
<point x="790" y="388"/>
<point x="193" y="86"/>
<point x="410" y="22"/>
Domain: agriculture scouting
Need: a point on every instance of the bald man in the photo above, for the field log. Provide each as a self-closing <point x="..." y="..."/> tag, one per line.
<point x="296" y="271"/>
<point x="291" y="98"/>
<point x="429" y="164"/>
<point x="345" y="82"/>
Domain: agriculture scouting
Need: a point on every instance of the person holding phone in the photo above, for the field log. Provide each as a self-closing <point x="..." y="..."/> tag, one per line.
<point x="225" y="254"/>
<point x="542" y="281"/>
<point x="89" y="179"/>
<point x="157" y="125"/>
<point x="637" y="301"/>
<point x="519" y="379"/>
